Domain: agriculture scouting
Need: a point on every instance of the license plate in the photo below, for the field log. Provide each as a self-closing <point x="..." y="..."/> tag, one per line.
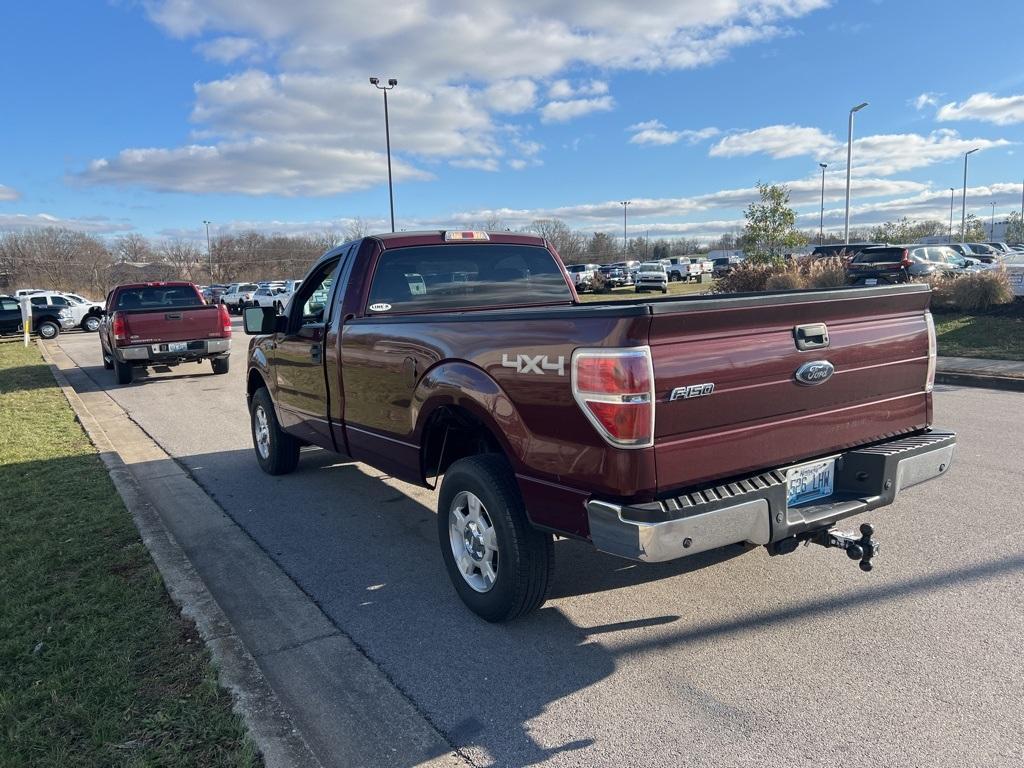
<point x="811" y="481"/>
<point x="871" y="281"/>
<point x="177" y="346"/>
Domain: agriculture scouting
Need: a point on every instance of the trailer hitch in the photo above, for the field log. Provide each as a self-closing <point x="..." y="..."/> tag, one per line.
<point x="863" y="549"/>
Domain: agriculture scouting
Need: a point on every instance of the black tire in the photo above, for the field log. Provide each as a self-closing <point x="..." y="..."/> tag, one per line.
<point x="106" y="361"/>
<point x="123" y="372"/>
<point x="526" y="555"/>
<point x="91" y="323"/>
<point x="665" y="289"/>
<point x="282" y="456"/>
<point x="48" y="329"/>
<point x="220" y="364"/>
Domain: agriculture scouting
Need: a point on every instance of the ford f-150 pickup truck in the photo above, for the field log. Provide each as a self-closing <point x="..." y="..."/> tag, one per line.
<point x="162" y="323"/>
<point x="653" y="429"/>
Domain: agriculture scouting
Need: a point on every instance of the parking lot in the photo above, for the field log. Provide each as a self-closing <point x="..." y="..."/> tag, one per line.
<point x="730" y="658"/>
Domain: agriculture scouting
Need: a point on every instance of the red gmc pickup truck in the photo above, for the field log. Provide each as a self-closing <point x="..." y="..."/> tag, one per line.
<point x="653" y="429"/>
<point x="162" y="324"/>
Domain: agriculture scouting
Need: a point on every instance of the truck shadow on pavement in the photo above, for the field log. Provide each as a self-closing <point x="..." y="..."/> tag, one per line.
<point x="366" y="551"/>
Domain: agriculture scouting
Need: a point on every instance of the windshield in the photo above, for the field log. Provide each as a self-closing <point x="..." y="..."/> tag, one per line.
<point x="652" y="266"/>
<point x="247" y="287"/>
<point x="446" y="277"/>
<point x="158" y="297"/>
<point x="577" y="267"/>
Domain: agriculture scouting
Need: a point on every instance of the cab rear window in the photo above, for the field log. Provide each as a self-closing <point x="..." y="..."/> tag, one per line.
<point x="158" y="297"/>
<point x="454" y="277"/>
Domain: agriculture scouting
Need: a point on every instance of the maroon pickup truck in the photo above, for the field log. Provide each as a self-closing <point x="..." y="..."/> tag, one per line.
<point x="653" y="429"/>
<point x="162" y="323"/>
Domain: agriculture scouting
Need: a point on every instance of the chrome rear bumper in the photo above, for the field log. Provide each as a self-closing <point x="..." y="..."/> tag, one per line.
<point x="754" y="509"/>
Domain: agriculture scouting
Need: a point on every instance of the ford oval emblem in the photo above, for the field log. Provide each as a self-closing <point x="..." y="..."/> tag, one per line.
<point x="814" y="373"/>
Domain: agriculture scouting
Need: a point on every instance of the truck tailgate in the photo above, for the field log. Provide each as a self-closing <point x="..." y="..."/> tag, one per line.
<point x="175" y="324"/>
<point x="758" y="415"/>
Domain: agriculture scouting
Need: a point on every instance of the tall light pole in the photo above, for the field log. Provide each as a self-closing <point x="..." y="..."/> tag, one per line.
<point x="209" y="252"/>
<point x="625" y="241"/>
<point x="992" y="226"/>
<point x="950" y="238"/>
<point x="963" y="204"/>
<point x="849" y="160"/>
<point x="392" y="82"/>
<point x="821" y="222"/>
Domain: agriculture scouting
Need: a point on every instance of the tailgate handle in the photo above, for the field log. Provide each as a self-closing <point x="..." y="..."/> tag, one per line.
<point x="812" y="336"/>
<point x="172" y="316"/>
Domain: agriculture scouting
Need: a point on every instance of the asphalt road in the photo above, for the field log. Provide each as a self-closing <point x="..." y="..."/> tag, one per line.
<point x="732" y="659"/>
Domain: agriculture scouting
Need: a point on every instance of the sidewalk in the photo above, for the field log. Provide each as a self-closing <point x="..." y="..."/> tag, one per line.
<point x="979" y="372"/>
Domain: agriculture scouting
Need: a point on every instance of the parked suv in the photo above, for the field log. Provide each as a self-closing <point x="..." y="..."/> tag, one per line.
<point x="842" y="250"/>
<point x="888" y="264"/>
<point x="651" y="276"/>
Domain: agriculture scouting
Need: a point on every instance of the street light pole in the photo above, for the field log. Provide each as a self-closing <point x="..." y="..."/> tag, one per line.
<point x="209" y="252"/>
<point x="392" y="82"/>
<point x="821" y="222"/>
<point x="992" y="226"/>
<point x="963" y="204"/>
<point x="849" y="160"/>
<point x="950" y="238"/>
<point x="625" y="241"/>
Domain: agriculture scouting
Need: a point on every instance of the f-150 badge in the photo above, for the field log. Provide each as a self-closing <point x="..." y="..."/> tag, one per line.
<point x="694" y="390"/>
<point x="524" y="363"/>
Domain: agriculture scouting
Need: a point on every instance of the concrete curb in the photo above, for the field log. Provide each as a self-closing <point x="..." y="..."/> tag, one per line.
<point x="986" y="381"/>
<point x="270" y="726"/>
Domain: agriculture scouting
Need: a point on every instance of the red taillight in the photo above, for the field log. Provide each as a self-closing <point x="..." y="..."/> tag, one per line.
<point x="615" y="389"/>
<point x="225" y="320"/>
<point x="905" y="262"/>
<point x="120" y="328"/>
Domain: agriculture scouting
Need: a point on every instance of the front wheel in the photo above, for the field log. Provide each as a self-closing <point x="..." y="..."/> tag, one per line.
<point x="48" y="329"/>
<point x="277" y="452"/>
<point x="498" y="563"/>
<point x="91" y="324"/>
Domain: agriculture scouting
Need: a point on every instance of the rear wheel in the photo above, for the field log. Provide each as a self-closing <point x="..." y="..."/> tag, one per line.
<point x="106" y="362"/>
<point x="498" y="563"/>
<point x="277" y="452"/>
<point x="91" y="324"/>
<point x="123" y="372"/>
<point x="220" y="364"/>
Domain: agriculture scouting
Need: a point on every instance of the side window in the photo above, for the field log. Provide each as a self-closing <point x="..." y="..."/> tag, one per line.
<point x="58" y="301"/>
<point x="38" y="301"/>
<point x="311" y="299"/>
<point x="9" y="306"/>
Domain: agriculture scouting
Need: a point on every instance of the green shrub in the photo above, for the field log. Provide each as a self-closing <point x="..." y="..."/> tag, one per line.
<point x="980" y="291"/>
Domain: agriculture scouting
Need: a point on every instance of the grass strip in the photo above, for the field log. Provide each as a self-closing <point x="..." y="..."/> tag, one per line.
<point x="999" y="337"/>
<point x="97" y="666"/>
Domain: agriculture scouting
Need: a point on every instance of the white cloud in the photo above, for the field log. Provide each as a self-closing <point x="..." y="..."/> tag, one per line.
<point x="517" y="164"/>
<point x="255" y="167"/>
<point x="881" y="154"/>
<point x="227" y="49"/>
<point x="511" y="96"/>
<point x="1001" y="110"/>
<point x="926" y="99"/>
<point x="563" y="111"/>
<point x="655" y="132"/>
<point x="777" y="141"/>
<point x="96" y="225"/>
<point x="8" y="193"/>
<point x="314" y="94"/>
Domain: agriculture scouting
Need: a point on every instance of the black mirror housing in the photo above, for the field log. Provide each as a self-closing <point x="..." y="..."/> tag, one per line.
<point x="259" y="320"/>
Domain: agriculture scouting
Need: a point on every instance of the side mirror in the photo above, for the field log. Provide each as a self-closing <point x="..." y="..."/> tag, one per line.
<point x="259" y="320"/>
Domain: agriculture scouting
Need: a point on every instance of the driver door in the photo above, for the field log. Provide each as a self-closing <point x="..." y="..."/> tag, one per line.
<point x="302" y="394"/>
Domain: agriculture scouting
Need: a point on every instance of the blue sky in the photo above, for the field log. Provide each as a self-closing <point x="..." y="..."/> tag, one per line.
<point x="152" y="116"/>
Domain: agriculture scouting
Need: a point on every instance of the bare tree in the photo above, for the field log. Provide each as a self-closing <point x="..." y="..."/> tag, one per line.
<point x="183" y="256"/>
<point x="356" y="228"/>
<point x="133" y="248"/>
